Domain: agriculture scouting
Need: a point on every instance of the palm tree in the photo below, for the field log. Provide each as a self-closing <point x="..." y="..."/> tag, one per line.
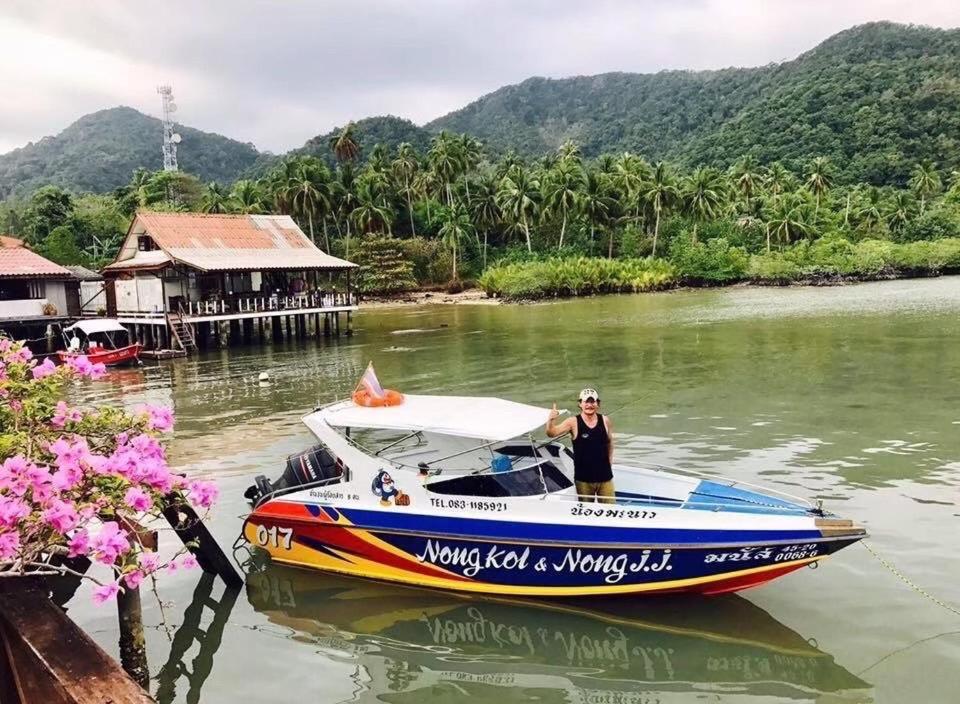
<point x="704" y="195"/>
<point x="819" y="179"/>
<point x="344" y="145"/>
<point x="746" y="178"/>
<point x="778" y="180"/>
<point x="471" y="153"/>
<point x="789" y="219"/>
<point x="901" y="210"/>
<point x="247" y="197"/>
<point x="484" y="209"/>
<point x="308" y="192"/>
<point x="569" y="151"/>
<point x="445" y="161"/>
<point x="518" y="196"/>
<point x="370" y="213"/>
<point x="561" y="192"/>
<point x="405" y="167"/>
<point x="596" y="201"/>
<point x="215" y="199"/>
<point x="660" y="193"/>
<point x="456" y="227"/>
<point x="925" y="182"/>
<point x="630" y="172"/>
<point x="870" y="216"/>
<point x="344" y="193"/>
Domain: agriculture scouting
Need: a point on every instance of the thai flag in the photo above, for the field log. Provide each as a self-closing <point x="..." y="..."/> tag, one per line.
<point x="371" y="383"/>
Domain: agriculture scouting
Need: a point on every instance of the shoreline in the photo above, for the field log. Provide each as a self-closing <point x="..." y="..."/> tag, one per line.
<point x="477" y="296"/>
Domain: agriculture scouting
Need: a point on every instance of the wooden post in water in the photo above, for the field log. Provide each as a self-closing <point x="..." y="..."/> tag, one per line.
<point x="133" y="646"/>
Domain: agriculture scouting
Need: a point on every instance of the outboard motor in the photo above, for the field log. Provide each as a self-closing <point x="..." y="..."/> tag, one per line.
<point x="308" y="467"/>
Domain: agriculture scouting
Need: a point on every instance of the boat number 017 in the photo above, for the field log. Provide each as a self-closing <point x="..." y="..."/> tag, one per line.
<point x="277" y="537"/>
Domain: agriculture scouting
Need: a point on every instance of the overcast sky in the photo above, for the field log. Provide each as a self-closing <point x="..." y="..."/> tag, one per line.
<point x="276" y="73"/>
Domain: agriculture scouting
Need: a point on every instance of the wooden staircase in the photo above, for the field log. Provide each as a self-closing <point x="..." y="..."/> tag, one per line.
<point x="181" y="332"/>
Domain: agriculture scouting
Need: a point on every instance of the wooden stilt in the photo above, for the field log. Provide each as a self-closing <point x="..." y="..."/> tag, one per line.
<point x="211" y="557"/>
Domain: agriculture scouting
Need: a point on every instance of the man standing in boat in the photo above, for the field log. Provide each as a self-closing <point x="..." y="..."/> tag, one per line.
<point x="592" y="448"/>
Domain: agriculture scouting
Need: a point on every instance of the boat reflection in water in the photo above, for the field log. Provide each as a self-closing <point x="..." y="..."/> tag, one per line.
<point x="411" y="644"/>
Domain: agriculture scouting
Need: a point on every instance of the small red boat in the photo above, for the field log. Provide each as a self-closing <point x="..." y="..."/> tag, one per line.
<point x="100" y="340"/>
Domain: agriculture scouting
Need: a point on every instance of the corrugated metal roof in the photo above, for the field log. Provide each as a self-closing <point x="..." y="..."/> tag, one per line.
<point x="230" y="242"/>
<point x="16" y="260"/>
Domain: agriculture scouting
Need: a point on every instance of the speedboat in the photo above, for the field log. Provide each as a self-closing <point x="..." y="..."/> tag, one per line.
<point x="100" y="340"/>
<point x="458" y="493"/>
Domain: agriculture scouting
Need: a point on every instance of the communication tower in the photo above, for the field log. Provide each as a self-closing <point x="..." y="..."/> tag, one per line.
<point x="170" y="138"/>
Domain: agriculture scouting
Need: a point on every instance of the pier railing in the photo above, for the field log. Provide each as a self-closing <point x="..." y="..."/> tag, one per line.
<point x="252" y="303"/>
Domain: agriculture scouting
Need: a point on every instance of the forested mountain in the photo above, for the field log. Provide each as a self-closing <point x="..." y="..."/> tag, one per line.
<point x="100" y="151"/>
<point x="875" y="99"/>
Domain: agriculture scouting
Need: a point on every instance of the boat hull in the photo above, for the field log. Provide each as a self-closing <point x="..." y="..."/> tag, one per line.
<point x="649" y="562"/>
<point x="111" y="358"/>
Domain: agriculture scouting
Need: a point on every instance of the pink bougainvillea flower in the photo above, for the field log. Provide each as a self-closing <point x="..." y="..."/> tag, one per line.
<point x="79" y="365"/>
<point x="79" y="544"/>
<point x="158" y="417"/>
<point x="189" y="562"/>
<point x="16" y="406"/>
<point x="44" y="369"/>
<point x="109" y="543"/>
<point x="97" y="371"/>
<point x="149" y="562"/>
<point x="9" y="544"/>
<point x="107" y="592"/>
<point x="133" y="579"/>
<point x="61" y="516"/>
<point x="201" y="493"/>
<point x="21" y="355"/>
<point x="12" y="511"/>
<point x="63" y="414"/>
<point x="137" y="499"/>
<point x="42" y="488"/>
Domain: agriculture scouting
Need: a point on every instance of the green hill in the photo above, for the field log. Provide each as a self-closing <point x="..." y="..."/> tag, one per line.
<point x="876" y="99"/>
<point x="101" y="150"/>
<point x="386" y="130"/>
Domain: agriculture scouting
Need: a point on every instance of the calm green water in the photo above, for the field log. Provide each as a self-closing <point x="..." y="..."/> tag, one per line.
<point x="846" y="394"/>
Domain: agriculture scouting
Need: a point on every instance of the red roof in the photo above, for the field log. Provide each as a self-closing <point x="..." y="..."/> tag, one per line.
<point x="16" y="260"/>
<point x="225" y="242"/>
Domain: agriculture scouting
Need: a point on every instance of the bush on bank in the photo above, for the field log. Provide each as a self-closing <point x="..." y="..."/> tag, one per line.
<point x="717" y="262"/>
<point x="576" y="276"/>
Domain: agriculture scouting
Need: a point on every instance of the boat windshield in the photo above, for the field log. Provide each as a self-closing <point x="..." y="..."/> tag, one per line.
<point x="544" y="478"/>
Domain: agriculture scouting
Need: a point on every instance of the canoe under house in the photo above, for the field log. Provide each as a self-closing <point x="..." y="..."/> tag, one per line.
<point x="183" y="280"/>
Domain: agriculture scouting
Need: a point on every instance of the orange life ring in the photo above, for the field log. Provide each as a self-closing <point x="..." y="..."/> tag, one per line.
<point x="362" y="397"/>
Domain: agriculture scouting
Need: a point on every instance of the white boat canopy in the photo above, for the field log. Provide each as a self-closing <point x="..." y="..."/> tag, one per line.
<point x="479" y="417"/>
<point x="96" y="325"/>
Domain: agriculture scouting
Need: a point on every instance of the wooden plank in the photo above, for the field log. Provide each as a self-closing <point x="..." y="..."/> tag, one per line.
<point x="210" y="556"/>
<point x="51" y="659"/>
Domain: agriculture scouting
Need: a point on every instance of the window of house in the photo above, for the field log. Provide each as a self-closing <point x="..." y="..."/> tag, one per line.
<point x="145" y="243"/>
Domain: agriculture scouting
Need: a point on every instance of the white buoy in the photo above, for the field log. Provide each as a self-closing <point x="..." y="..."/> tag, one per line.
<point x="264" y="376"/>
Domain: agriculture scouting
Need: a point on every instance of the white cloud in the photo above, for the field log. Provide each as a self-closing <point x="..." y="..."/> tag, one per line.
<point x="277" y="74"/>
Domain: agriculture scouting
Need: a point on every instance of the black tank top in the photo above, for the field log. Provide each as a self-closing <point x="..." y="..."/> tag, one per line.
<point x="591" y="458"/>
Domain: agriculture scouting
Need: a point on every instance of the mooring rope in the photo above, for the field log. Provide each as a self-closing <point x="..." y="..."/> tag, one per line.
<point x="910" y="583"/>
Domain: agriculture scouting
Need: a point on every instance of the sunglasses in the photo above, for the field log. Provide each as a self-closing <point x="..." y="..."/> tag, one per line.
<point x="591" y="399"/>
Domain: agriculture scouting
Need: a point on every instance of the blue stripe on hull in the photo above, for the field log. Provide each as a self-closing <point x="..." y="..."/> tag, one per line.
<point x="558" y="533"/>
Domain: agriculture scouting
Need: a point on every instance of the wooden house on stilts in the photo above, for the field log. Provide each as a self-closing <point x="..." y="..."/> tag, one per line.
<point x="183" y="280"/>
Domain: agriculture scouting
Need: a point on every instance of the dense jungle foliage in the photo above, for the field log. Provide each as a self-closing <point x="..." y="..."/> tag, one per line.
<point x="453" y="212"/>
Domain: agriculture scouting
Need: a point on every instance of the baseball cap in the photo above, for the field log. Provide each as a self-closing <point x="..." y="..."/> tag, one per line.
<point x="589" y="393"/>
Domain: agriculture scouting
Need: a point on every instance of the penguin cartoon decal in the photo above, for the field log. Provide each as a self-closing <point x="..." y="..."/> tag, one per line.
<point x="388" y="492"/>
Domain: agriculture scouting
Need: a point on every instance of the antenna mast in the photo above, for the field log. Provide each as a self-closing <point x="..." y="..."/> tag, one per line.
<point x="170" y="138"/>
